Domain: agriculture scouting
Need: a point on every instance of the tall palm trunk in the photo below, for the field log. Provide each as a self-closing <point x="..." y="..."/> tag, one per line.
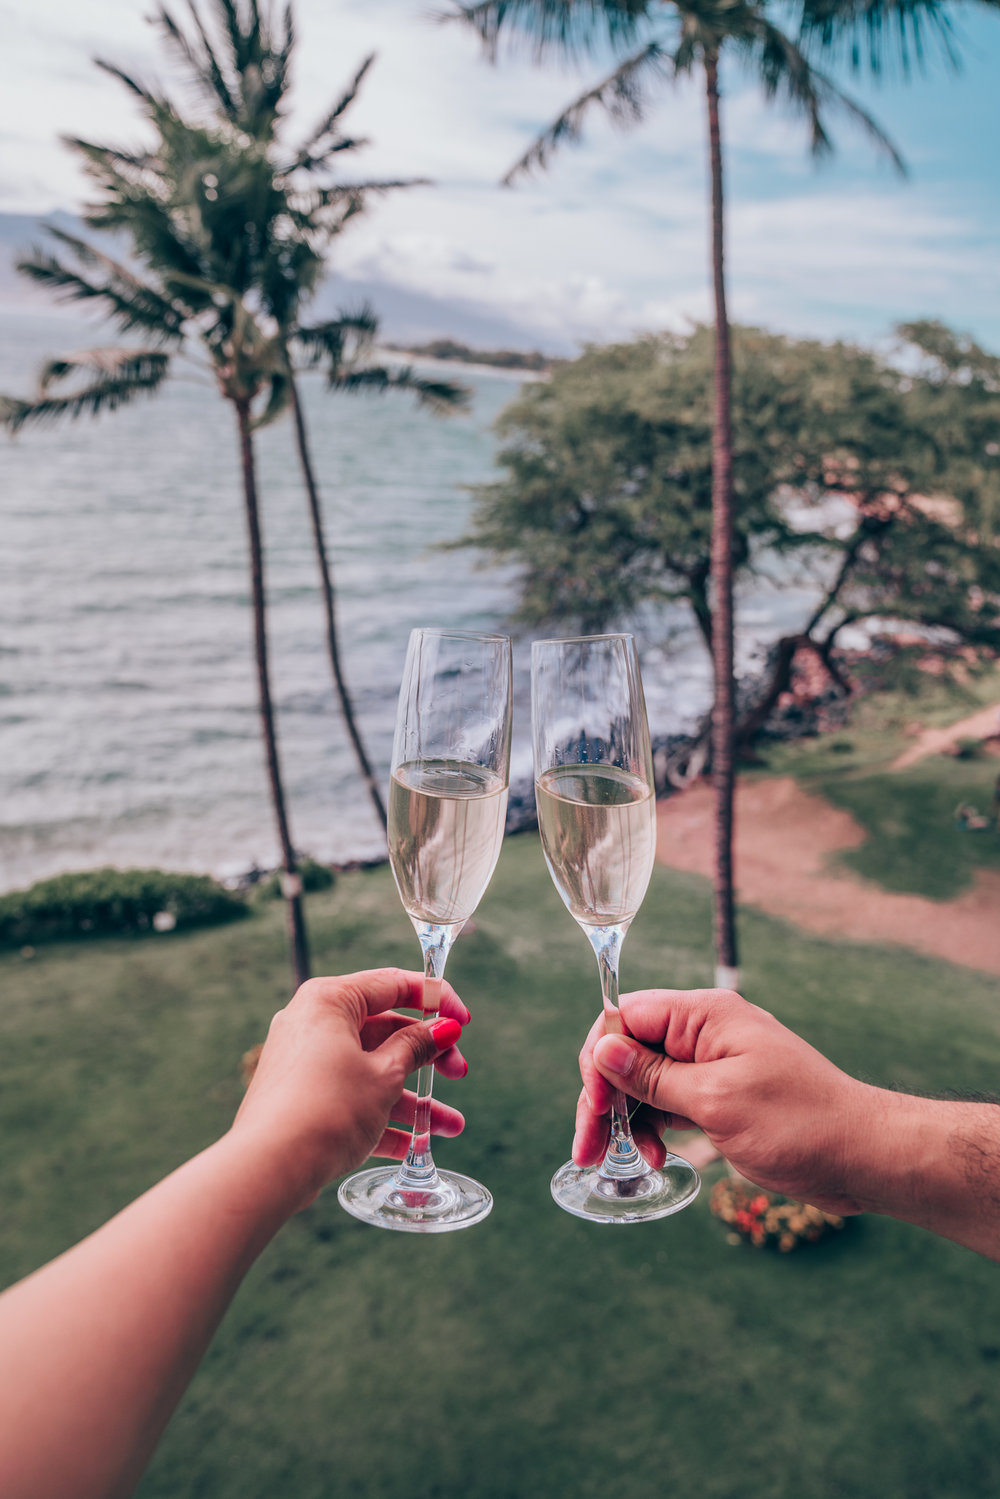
<point x="346" y="705"/>
<point x="291" y="883"/>
<point x="724" y="705"/>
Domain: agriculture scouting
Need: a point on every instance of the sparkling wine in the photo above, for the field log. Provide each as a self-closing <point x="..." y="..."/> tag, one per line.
<point x="446" y="821"/>
<point x="598" y="828"/>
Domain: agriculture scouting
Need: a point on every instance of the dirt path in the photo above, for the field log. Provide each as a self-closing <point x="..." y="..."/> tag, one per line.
<point x="981" y="725"/>
<point x="783" y="839"/>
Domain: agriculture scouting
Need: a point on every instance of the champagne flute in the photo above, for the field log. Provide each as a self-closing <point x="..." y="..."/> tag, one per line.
<point x="447" y="808"/>
<point x="597" y="818"/>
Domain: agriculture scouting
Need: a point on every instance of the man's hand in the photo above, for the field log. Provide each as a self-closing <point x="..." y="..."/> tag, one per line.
<point x="777" y="1109"/>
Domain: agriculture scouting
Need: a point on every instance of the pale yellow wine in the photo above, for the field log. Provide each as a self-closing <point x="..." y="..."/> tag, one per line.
<point x="598" y="827"/>
<point x="446" y="821"/>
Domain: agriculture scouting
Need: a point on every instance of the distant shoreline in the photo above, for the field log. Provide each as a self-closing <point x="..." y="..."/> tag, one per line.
<point x="451" y="351"/>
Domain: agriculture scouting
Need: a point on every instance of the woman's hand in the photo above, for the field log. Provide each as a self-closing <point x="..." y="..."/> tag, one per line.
<point x="331" y="1073"/>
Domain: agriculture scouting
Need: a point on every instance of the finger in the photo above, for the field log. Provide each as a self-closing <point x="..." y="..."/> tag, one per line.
<point x="649" y="1144"/>
<point x="675" y="1019"/>
<point x="598" y="1090"/>
<point x="376" y="989"/>
<point x="593" y="1131"/>
<point x="445" y="1120"/>
<point x="395" y="1143"/>
<point x="414" y="1045"/>
<point x="450" y="1063"/>
<point x="646" y="1075"/>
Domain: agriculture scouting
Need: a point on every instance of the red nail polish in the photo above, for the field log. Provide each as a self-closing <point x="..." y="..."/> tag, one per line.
<point x="445" y="1033"/>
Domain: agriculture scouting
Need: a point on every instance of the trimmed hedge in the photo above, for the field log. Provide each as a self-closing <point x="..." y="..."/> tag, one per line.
<point x="103" y="902"/>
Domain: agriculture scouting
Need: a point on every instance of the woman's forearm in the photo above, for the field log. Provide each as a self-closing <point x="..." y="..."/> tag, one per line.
<point x="97" y="1347"/>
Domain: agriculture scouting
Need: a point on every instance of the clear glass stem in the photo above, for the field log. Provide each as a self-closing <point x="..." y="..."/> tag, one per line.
<point x="418" y="1169"/>
<point x="622" y="1161"/>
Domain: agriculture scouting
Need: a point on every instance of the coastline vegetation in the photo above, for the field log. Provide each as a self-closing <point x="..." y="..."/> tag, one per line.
<point x="105" y="902"/>
<point x="452" y="350"/>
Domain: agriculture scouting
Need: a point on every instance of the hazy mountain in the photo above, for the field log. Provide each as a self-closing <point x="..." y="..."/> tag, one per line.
<point x="406" y="316"/>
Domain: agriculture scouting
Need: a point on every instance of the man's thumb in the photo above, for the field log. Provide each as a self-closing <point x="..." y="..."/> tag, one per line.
<point x="639" y="1072"/>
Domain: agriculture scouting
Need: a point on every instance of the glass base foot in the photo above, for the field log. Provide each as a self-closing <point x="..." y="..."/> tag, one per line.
<point x="586" y="1193"/>
<point x="451" y="1201"/>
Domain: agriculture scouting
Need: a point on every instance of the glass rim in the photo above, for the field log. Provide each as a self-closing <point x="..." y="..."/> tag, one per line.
<point x="442" y="632"/>
<point x="583" y="639"/>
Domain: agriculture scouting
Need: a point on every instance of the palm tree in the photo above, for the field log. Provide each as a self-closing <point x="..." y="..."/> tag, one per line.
<point x="207" y="229"/>
<point x="665" y="40"/>
<point x="241" y="76"/>
<point x="340" y="349"/>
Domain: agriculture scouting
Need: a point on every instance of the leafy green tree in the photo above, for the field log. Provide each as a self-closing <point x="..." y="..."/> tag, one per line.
<point x="877" y="482"/>
<point x="655" y="42"/>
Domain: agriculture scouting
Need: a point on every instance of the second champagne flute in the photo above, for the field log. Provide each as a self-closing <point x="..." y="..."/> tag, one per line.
<point x="597" y="819"/>
<point x="447" y="808"/>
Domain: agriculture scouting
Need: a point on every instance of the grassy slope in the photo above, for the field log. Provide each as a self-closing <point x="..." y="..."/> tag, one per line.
<point x="534" y="1354"/>
<point x="913" y="844"/>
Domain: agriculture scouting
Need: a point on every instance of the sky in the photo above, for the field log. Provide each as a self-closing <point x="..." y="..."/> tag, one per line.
<point x="612" y="240"/>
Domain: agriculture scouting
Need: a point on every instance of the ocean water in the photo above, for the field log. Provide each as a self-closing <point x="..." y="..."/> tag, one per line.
<point x="129" y="729"/>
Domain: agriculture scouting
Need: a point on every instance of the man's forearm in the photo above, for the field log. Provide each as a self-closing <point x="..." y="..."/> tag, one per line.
<point x="935" y="1163"/>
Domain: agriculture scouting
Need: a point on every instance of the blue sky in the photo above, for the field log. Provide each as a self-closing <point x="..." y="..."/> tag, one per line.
<point x="612" y="240"/>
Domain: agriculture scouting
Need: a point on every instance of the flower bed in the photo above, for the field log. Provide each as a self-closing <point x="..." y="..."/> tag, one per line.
<point x="767" y="1219"/>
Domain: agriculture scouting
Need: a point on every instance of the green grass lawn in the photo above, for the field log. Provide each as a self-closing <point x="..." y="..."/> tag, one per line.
<point x="534" y="1354"/>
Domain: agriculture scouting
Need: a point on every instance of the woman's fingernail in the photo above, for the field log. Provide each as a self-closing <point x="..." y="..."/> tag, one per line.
<point x="616" y="1055"/>
<point x="446" y="1033"/>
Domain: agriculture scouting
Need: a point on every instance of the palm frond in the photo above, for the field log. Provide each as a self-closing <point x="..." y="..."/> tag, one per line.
<point x="131" y="302"/>
<point x="151" y="101"/>
<point x="203" y="66"/>
<point x="107" y="393"/>
<point x="879" y="33"/>
<point x="279" y="398"/>
<point x="137" y="161"/>
<point x="241" y="43"/>
<point x="309" y="161"/>
<point x="620" y="95"/>
<point x="328" y="341"/>
<point x="342" y="191"/>
<point x="784" y="71"/>
<point x="142" y="367"/>
<point x="125" y="285"/>
<point x="567" y="27"/>
<point x="213" y="69"/>
<point x="307" y="156"/>
<point x="440" y="396"/>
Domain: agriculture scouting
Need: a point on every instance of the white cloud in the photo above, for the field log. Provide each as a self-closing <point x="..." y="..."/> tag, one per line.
<point x="612" y="239"/>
